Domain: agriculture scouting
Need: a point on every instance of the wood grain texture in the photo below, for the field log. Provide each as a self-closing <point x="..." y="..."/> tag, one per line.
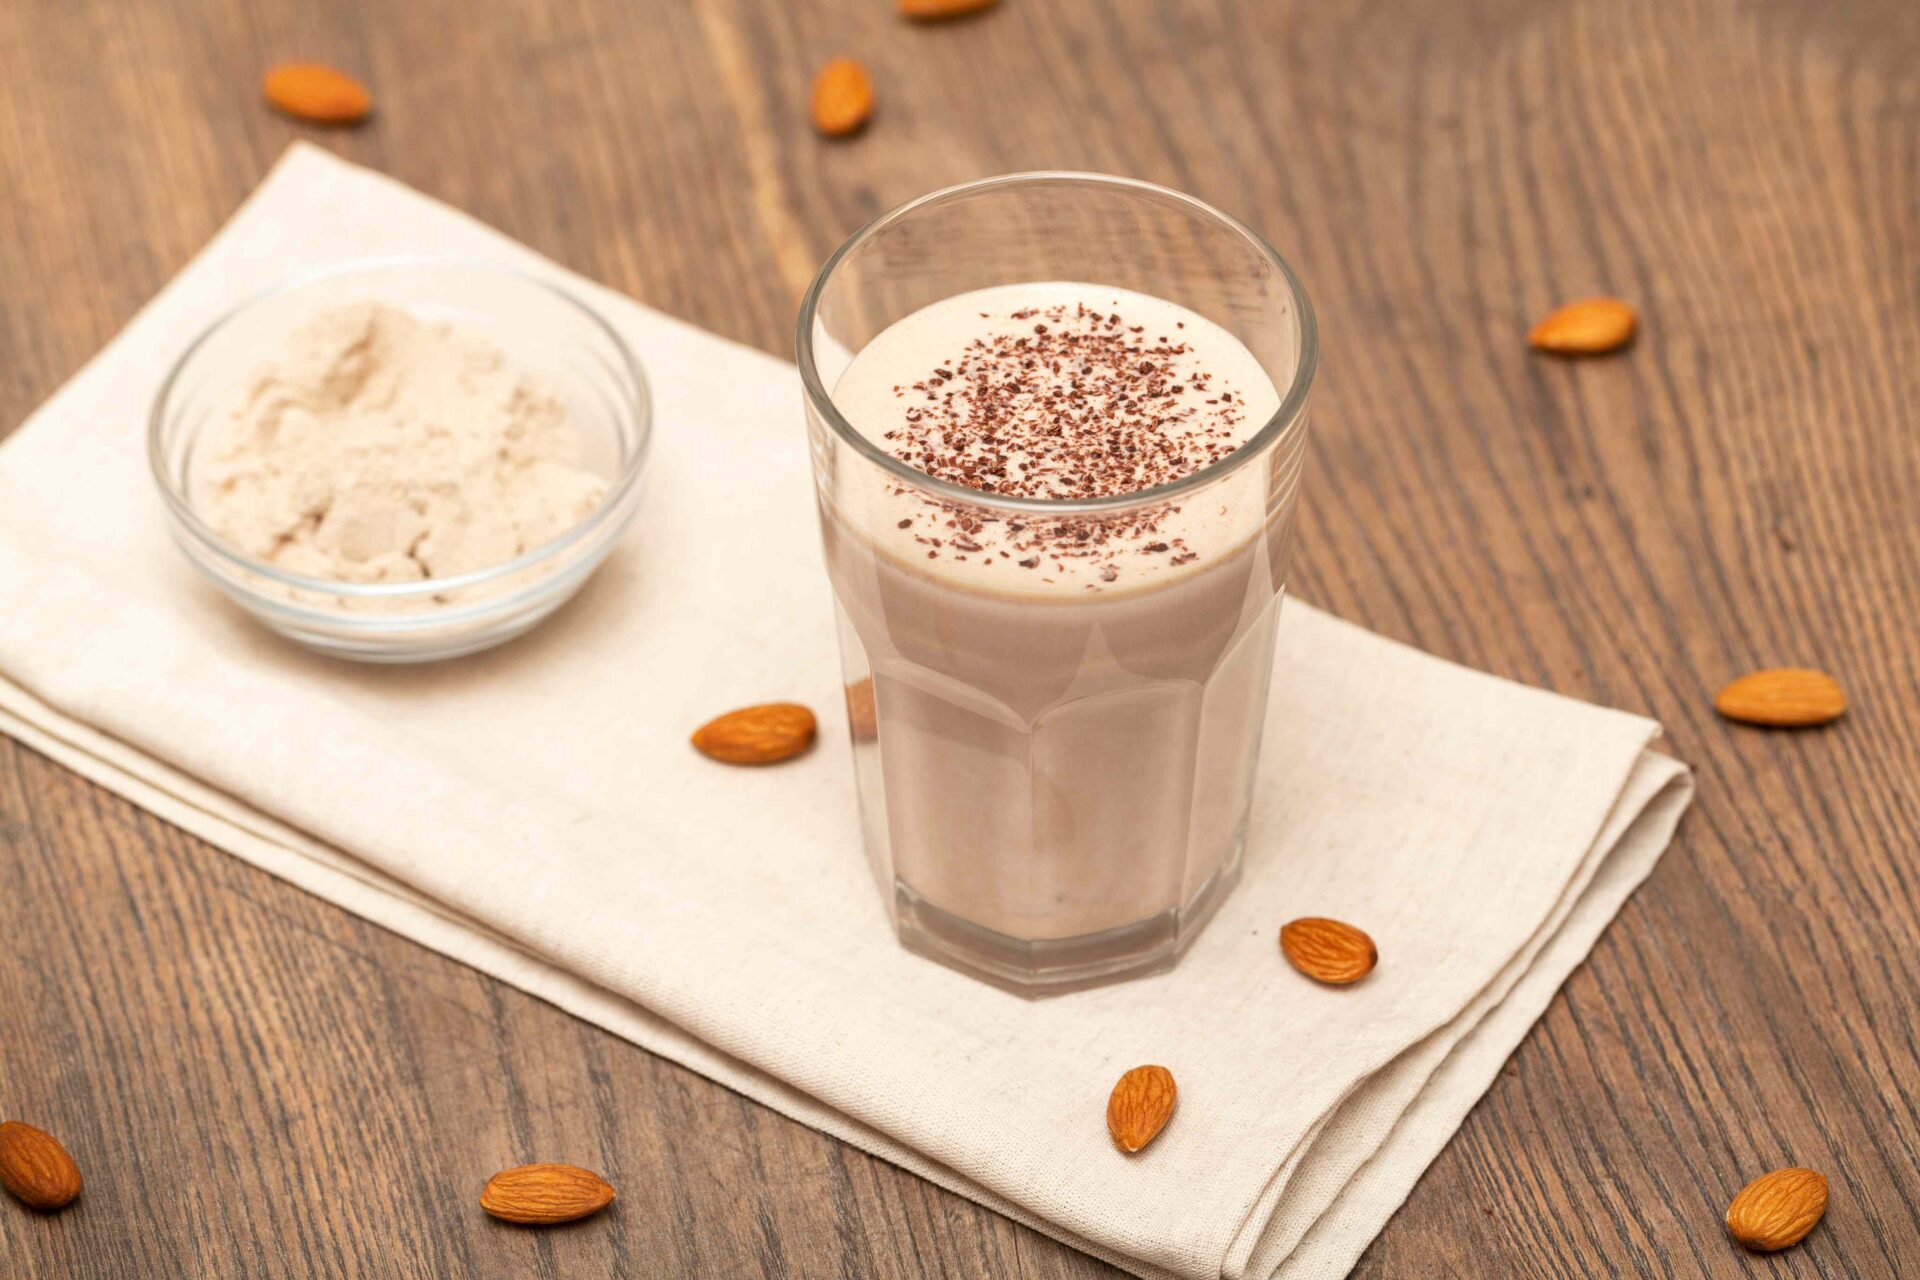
<point x="225" y="1055"/>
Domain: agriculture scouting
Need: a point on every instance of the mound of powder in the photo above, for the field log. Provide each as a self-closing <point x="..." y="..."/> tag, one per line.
<point x="381" y="448"/>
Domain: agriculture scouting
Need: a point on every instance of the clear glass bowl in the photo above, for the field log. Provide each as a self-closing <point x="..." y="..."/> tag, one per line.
<point x="538" y="327"/>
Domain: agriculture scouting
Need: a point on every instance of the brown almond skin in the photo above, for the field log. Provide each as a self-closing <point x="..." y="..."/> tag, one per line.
<point x="863" y="715"/>
<point x="1589" y="327"/>
<point x="36" y="1168"/>
<point x="540" y="1195"/>
<point x="764" y="734"/>
<point x="1778" y="1209"/>
<point x="317" y="93"/>
<point x="1783" y="698"/>
<point x="1139" y="1107"/>
<point x="936" y="10"/>
<point x="1328" y="951"/>
<point x="842" y="98"/>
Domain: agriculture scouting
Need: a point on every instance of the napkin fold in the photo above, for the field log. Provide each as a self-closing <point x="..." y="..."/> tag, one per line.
<point x="535" y="811"/>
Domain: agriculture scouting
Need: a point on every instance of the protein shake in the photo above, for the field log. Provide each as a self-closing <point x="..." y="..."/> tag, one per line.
<point x="1056" y="517"/>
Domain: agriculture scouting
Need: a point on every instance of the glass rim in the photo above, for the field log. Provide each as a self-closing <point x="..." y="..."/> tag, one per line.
<point x="1287" y="416"/>
<point x="640" y="413"/>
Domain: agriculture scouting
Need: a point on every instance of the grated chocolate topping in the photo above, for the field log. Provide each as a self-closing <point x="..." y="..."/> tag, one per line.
<point x="1075" y="403"/>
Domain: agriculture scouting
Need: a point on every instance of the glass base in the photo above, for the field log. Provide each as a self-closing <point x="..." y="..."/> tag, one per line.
<point x="1055" y="966"/>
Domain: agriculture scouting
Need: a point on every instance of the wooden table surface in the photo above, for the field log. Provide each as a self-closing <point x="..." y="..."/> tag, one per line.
<point x="260" y="1085"/>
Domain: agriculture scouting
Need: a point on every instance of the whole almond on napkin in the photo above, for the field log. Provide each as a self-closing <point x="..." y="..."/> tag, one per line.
<point x="36" y="1168"/>
<point x="1140" y="1106"/>
<point x="543" y="1194"/>
<point x="1328" y="951"/>
<point x="765" y="734"/>
<point x="316" y="92"/>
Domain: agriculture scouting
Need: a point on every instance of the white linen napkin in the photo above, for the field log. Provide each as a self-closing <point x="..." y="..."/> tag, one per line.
<point x="536" y="811"/>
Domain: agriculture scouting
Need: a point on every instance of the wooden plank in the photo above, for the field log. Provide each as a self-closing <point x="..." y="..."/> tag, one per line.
<point x="258" y="1084"/>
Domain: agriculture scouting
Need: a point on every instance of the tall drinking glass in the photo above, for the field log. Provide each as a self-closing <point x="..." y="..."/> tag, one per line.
<point x="1055" y="689"/>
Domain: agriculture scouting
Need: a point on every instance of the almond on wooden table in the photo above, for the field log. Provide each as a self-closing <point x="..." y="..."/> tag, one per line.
<point x="764" y="734"/>
<point x="316" y="92"/>
<point x="36" y="1168"/>
<point x="1589" y="327"/>
<point x="543" y="1194"/>
<point x="1328" y="950"/>
<point x="934" y="10"/>
<point x="842" y="97"/>
<point x="1777" y="1209"/>
<point x="1783" y="697"/>
<point x="1140" y="1106"/>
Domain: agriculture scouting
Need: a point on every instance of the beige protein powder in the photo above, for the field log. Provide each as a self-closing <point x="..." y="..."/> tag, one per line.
<point x="381" y="448"/>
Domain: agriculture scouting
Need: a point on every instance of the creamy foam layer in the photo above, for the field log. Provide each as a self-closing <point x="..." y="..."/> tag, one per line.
<point x="1055" y="390"/>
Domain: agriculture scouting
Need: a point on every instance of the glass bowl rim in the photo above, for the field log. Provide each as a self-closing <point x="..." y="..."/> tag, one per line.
<point x="640" y="412"/>
<point x="1290" y="413"/>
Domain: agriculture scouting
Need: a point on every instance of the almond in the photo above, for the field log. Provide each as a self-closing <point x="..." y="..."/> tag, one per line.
<point x="36" y="1168"/>
<point x="541" y="1194"/>
<point x="1589" y="327"/>
<point x="934" y="10"/>
<point x="1327" y="950"/>
<point x="842" y="97"/>
<point x="1786" y="697"/>
<point x="863" y="717"/>
<point x="1140" y="1106"/>
<point x="1777" y="1209"/>
<point x="316" y="92"/>
<point x="764" y="734"/>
